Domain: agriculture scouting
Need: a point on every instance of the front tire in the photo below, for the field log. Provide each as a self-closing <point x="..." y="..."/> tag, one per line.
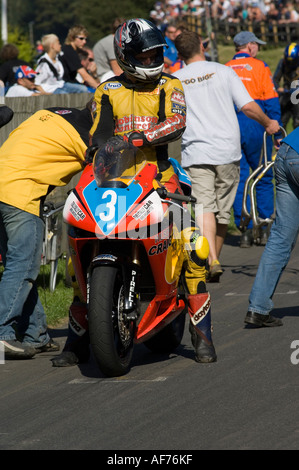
<point x="111" y="335"/>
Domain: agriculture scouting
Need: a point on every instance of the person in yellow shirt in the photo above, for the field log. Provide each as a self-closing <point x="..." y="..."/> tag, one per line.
<point x="44" y="151"/>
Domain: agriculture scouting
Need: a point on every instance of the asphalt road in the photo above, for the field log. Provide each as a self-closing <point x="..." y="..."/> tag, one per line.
<point x="247" y="400"/>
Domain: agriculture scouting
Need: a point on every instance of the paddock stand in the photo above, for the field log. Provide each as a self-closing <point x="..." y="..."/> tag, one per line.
<point x="246" y="216"/>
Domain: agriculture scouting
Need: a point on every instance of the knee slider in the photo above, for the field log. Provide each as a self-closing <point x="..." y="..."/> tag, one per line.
<point x="200" y="248"/>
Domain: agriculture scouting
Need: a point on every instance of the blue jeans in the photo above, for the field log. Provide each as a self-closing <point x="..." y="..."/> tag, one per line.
<point x="70" y="87"/>
<point x="284" y="231"/>
<point x="22" y="316"/>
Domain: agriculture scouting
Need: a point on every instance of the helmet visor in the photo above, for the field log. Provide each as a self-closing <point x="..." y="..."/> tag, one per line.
<point x="150" y="59"/>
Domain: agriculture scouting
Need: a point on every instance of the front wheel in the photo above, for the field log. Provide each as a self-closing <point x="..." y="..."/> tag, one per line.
<point x="111" y="334"/>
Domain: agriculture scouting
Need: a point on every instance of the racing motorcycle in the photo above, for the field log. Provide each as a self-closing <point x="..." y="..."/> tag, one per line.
<point x="127" y="255"/>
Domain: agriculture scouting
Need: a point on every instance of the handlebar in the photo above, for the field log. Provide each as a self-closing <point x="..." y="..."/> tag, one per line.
<point x="50" y="208"/>
<point x="263" y="156"/>
<point x="163" y="193"/>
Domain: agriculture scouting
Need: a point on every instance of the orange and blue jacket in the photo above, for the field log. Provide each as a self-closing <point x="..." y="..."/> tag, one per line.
<point x="256" y="76"/>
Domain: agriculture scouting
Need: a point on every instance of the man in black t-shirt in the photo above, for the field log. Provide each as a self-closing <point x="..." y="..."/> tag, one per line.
<point x="70" y="59"/>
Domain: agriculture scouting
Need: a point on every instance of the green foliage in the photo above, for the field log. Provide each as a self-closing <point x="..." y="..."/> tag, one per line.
<point x="21" y="40"/>
<point x="50" y="16"/>
<point x="98" y="16"/>
<point x="26" y="50"/>
<point x="55" y="17"/>
<point x="56" y="304"/>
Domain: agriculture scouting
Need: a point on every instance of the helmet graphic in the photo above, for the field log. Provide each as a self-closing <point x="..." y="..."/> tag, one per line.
<point x="135" y="37"/>
<point x="291" y="52"/>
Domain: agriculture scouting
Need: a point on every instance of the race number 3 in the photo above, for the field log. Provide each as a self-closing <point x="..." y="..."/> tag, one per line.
<point x="109" y="213"/>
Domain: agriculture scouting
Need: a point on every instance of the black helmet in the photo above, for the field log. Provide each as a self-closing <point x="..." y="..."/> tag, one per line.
<point x="134" y="37"/>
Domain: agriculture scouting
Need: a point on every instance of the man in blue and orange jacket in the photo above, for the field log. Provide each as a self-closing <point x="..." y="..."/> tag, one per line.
<point x="256" y="76"/>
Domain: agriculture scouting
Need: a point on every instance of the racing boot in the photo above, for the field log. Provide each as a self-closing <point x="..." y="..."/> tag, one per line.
<point x="199" y="301"/>
<point x="199" y="309"/>
<point x="76" y="349"/>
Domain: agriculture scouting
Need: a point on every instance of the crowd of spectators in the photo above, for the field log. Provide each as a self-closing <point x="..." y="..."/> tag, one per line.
<point x="238" y="11"/>
<point x="70" y="68"/>
<point x="80" y="69"/>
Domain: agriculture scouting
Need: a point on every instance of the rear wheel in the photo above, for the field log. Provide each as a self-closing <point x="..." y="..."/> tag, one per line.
<point x="111" y="335"/>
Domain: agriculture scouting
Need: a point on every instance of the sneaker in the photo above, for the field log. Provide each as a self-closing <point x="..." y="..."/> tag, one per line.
<point x="14" y="349"/>
<point x="215" y="271"/>
<point x="51" y="346"/>
<point x="264" y="237"/>
<point x="246" y="240"/>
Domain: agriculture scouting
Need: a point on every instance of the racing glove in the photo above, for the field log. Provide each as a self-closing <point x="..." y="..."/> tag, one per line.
<point x="106" y="156"/>
<point x="89" y="154"/>
<point x="115" y="144"/>
<point x="110" y="150"/>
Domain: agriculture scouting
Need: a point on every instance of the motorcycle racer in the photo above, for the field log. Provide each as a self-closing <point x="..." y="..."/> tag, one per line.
<point x="287" y="72"/>
<point x="147" y="105"/>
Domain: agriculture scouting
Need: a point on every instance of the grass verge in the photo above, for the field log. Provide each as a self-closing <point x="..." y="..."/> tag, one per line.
<point x="56" y="304"/>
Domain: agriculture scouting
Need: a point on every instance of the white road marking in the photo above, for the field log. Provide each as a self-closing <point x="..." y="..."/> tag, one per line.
<point x="290" y="292"/>
<point x="119" y="380"/>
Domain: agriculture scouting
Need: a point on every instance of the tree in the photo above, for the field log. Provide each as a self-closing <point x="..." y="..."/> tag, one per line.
<point x="21" y="40"/>
<point x="26" y="51"/>
<point x="98" y="16"/>
<point x="50" y="16"/>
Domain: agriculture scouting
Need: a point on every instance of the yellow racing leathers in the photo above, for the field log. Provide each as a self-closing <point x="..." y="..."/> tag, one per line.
<point x="158" y="110"/>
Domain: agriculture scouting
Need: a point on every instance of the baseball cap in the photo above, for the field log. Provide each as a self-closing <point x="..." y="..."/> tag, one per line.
<point x="24" y="71"/>
<point x="244" y="37"/>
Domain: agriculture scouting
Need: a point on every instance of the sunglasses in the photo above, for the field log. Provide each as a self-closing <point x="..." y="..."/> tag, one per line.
<point x="90" y="59"/>
<point x="82" y="38"/>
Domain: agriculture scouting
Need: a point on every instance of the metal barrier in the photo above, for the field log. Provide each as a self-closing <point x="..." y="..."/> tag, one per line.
<point x="272" y="32"/>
